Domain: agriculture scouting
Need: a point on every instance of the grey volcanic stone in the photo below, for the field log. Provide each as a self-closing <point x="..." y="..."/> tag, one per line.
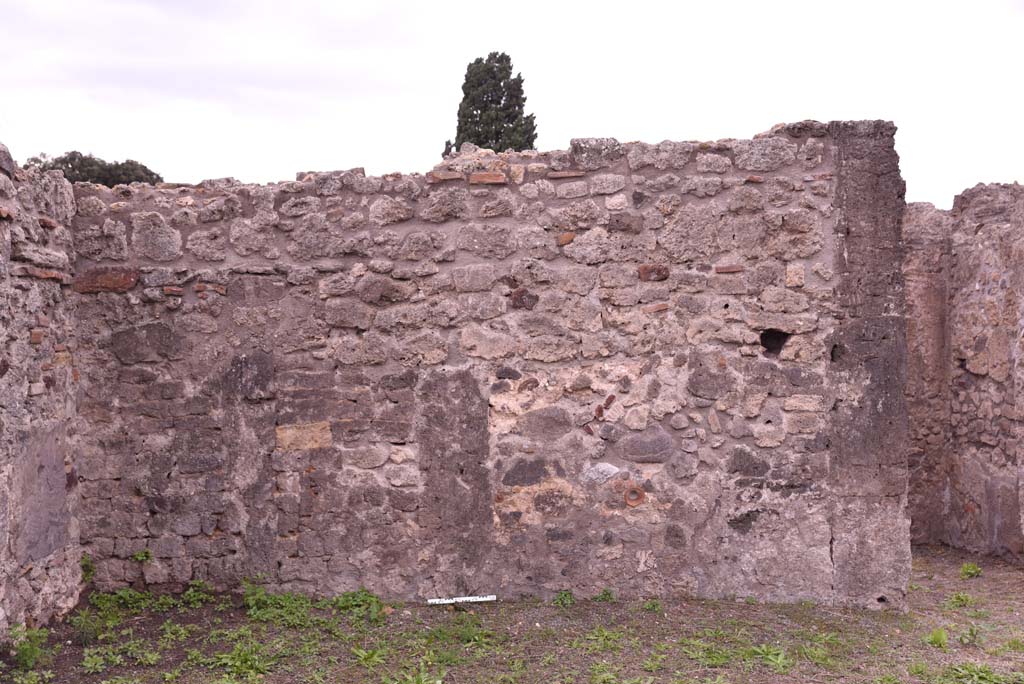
<point x="153" y="239"/>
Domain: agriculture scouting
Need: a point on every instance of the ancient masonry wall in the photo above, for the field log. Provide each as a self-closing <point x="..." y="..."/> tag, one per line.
<point x="655" y="368"/>
<point x="39" y="552"/>
<point x="970" y="486"/>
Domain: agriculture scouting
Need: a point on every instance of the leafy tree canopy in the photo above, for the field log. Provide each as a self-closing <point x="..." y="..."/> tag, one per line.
<point x="491" y="113"/>
<point x="78" y="167"/>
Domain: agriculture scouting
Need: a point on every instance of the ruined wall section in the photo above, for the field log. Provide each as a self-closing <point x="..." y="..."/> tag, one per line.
<point x="654" y="368"/>
<point x="867" y="425"/>
<point x="926" y="266"/>
<point x="985" y="501"/>
<point x="39" y="554"/>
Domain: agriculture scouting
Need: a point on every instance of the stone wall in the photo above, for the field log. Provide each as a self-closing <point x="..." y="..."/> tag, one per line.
<point x="926" y="238"/>
<point x="971" y="495"/>
<point x="656" y="368"/>
<point x="39" y="553"/>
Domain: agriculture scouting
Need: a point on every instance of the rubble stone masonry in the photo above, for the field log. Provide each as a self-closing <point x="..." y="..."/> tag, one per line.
<point x="656" y="368"/>
<point x="967" y="487"/>
<point x="39" y="550"/>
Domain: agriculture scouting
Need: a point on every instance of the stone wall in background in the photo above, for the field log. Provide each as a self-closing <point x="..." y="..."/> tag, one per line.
<point x="969" y="491"/>
<point x="39" y="552"/>
<point x="986" y="323"/>
<point x="926" y="239"/>
<point x="655" y="368"/>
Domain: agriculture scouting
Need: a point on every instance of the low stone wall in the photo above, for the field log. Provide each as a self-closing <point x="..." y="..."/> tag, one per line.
<point x="39" y="552"/>
<point x="655" y="368"/>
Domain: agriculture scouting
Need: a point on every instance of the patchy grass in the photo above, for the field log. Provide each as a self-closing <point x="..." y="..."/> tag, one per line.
<point x="259" y="635"/>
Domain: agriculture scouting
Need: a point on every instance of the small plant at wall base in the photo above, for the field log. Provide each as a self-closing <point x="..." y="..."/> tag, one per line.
<point x="29" y="647"/>
<point x="491" y="113"/>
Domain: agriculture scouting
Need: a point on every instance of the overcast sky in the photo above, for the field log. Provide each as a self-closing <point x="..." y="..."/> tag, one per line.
<point x="259" y="90"/>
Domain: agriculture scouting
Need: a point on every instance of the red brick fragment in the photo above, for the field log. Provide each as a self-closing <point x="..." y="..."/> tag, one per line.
<point x="566" y="174"/>
<point x="106" y="279"/>
<point x="729" y="268"/>
<point x="173" y="291"/>
<point x="565" y="238"/>
<point x="755" y="179"/>
<point x="47" y="222"/>
<point x="656" y="308"/>
<point x="653" y="272"/>
<point x="441" y="176"/>
<point x="27" y="271"/>
<point x="36" y="336"/>
<point x="487" y="178"/>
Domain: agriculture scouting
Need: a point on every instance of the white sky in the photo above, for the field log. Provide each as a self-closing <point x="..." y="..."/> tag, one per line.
<point x="259" y="90"/>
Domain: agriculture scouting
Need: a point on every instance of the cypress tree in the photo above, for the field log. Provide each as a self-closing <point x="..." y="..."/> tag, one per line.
<point x="491" y="113"/>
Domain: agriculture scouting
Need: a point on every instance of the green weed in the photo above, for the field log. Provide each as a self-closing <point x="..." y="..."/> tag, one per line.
<point x="970" y="571"/>
<point x="284" y="610"/>
<point x="654" y="662"/>
<point x="959" y="600"/>
<point x="29" y="647"/>
<point x="600" y="640"/>
<point x="198" y="593"/>
<point x="88" y="567"/>
<point x="971" y="636"/>
<point x="708" y="655"/>
<point x="564" y="599"/>
<point x="369" y="658"/>
<point x="143" y="556"/>
<point x="421" y="674"/>
<point x="359" y="605"/>
<point x="971" y="673"/>
<point x="772" y="656"/>
<point x="937" y="638"/>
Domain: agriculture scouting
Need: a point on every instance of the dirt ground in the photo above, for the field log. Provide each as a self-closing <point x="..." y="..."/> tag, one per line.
<point x="958" y="629"/>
